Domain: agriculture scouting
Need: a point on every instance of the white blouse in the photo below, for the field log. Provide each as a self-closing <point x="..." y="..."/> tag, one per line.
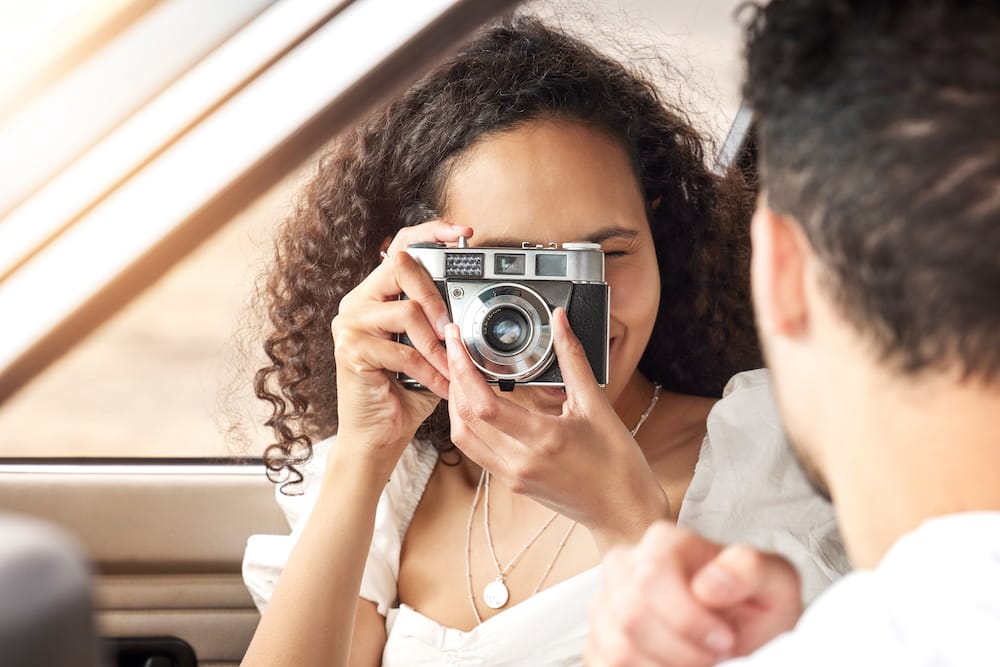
<point x="747" y="487"/>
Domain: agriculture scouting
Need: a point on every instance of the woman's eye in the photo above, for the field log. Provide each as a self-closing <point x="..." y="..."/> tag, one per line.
<point x="615" y="253"/>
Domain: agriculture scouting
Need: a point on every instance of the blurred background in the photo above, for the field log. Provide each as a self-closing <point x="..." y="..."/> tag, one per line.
<point x="123" y="124"/>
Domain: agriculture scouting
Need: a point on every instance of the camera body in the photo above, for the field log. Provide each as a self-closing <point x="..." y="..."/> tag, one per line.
<point x="502" y="301"/>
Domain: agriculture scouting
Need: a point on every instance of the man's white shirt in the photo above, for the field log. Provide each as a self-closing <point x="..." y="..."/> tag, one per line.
<point x="933" y="600"/>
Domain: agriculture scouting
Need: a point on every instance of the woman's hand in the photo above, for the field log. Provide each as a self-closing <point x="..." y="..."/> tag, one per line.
<point x="375" y="411"/>
<point x="583" y="463"/>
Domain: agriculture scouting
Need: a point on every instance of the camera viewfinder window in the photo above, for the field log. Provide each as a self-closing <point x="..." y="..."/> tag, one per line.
<point x="463" y="265"/>
<point x="508" y="265"/>
<point x="550" y="265"/>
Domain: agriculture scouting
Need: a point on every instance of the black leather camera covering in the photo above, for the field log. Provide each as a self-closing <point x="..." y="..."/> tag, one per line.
<point x="588" y="313"/>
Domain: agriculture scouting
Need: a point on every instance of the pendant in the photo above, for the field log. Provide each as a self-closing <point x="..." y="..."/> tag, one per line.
<point x="496" y="594"/>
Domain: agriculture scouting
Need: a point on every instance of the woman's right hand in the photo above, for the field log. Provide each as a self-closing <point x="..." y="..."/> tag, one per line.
<point x="375" y="411"/>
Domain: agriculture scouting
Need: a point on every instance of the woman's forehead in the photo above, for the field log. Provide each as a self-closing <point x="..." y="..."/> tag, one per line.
<point x="545" y="181"/>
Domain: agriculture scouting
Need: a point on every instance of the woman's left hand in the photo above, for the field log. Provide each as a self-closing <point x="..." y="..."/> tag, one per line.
<point x="583" y="463"/>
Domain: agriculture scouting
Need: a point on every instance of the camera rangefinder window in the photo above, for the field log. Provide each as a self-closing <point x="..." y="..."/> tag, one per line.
<point x="550" y="265"/>
<point x="463" y="265"/>
<point x="508" y="265"/>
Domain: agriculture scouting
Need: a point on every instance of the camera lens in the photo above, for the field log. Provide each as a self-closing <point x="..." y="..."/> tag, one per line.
<point x="506" y="330"/>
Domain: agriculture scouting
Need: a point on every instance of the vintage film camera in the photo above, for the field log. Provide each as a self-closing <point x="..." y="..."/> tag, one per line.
<point x="502" y="301"/>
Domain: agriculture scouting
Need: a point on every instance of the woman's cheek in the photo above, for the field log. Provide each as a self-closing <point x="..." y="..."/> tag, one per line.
<point x="635" y="294"/>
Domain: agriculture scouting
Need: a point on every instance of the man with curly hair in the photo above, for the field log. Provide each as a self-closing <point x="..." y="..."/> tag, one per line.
<point x="876" y="277"/>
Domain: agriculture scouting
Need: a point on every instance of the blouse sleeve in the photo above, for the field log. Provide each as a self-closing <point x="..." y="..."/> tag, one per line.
<point x="392" y="517"/>
<point x="266" y="555"/>
<point x="748" y="487"/>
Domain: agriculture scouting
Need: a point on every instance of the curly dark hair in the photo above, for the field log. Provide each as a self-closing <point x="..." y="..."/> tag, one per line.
<point x="391" y="171"/>
<point x="878" y="133"/>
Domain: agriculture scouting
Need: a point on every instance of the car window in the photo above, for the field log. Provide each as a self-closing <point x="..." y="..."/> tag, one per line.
<point x="160" y="377"/>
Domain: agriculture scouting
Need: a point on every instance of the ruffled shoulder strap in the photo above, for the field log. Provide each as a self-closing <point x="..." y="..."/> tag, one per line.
<point x="392" y="518"/>
<point x="266" y="555"/>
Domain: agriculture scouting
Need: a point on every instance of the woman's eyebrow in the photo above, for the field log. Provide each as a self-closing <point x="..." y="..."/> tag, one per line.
<point x="612" y="232"/>
<point x="599" y="236"/>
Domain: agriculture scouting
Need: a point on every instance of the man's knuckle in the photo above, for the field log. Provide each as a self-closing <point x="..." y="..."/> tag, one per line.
<point x="646" y="574"/>
<point x="745" y="558"/>
<point x="617" y="656"/>
<point x="687" y="625"/>
<point x="631" y="621"/>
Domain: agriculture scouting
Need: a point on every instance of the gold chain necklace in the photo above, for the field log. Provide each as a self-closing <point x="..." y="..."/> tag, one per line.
<point x="496" y="594"/>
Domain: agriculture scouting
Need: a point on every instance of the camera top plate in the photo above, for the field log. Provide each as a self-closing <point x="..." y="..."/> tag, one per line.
<point x="580" y="262"/>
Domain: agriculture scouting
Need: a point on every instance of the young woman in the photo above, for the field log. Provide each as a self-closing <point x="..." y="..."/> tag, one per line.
<point x="482" y="546"/>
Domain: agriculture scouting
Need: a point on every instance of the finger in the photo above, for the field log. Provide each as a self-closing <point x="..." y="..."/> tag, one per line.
<point x="477" y="403"/>
<point x="434" y="231"/>
<point x="606" y="644"/>
<point x="741" y="573"/>
<point x="401" y="274"/>
<point x="367" y="354"/>
<point x="676" y="544"/>
<point x="488" y="447"/>
<point x="664" y="561"/>
<point x="647" y="630"/>
<point x="608" y="647"/>
<point x="398" y="317"/>
<point x="472" y="445"/>
<point x="660" y="648"/>
<point x="578" y="375"/>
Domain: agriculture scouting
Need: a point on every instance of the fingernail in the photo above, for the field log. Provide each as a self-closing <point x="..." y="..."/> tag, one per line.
<point x="451" y="333"/>
<point x="718" y="641"/>
<point x="442" y="322"/>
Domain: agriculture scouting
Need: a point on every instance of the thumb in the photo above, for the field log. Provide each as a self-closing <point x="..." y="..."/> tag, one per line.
<point x="578" y="376"/>
<point x="740" y="574"/>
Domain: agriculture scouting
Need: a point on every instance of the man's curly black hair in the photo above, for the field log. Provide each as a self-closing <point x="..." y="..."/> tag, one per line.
<point x="391" y="170"/>
<point x="878" y="132"/>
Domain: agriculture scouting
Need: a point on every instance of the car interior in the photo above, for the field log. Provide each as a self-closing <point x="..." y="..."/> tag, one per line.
<point x="147" y="148"/>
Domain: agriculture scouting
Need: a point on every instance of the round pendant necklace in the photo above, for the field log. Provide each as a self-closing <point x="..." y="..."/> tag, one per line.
<point x="496" y="594"/>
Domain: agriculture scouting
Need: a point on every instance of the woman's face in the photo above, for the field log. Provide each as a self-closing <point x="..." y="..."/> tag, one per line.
<point x="558" y="181"/>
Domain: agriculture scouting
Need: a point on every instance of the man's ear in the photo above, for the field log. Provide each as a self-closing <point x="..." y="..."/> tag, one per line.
<point x="778" y="272"/>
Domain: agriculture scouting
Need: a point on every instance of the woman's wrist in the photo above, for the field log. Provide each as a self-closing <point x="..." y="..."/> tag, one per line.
<point x="628" y="517"/>
<point x="356" y="460"/>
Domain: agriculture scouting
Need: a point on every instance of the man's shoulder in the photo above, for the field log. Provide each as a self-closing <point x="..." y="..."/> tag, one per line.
<point x="931" y="601"/>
